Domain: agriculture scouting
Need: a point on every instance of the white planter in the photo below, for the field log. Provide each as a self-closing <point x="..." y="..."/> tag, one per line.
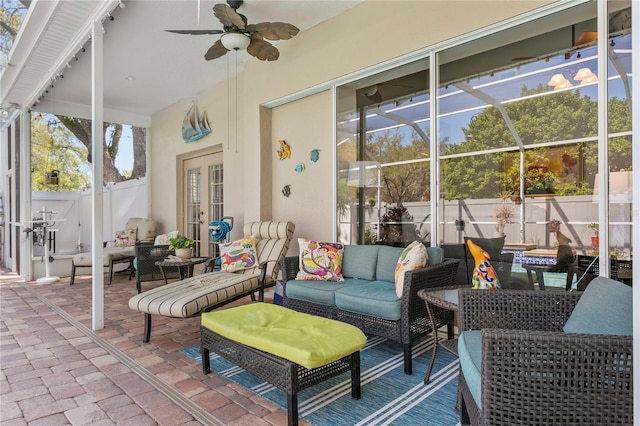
<point x="183" y="253"/>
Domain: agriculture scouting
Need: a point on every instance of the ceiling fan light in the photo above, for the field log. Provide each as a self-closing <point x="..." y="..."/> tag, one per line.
<point x="235" y="41"/>
<point x="556" y="79"/>
<point x="585" y="74"/>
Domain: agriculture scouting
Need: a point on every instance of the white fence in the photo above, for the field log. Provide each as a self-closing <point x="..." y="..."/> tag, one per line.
<point x="121" y="202"/>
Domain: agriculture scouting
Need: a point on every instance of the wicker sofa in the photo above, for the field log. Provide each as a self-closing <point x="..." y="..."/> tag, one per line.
<point x="546" y="357"/>
<point x="367" y="297"/>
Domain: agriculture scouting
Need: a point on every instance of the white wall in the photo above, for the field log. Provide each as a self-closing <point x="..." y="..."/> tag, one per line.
<point x="302" y="125"/>
<point x="370" y="33"/>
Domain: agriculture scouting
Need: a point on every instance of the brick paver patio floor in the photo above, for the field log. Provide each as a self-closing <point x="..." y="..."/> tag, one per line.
<point x="57" y="371"/>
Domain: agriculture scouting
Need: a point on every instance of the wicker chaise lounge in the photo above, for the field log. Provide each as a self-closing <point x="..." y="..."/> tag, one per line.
<point x="205" y="292"/>
<point x="522" y="368"/>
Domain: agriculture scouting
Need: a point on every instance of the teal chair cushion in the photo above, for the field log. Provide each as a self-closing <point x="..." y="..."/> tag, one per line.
<point x="373" y="298"/>
<point x="470" y="354"/>
<point x="387" y="260"/>
<point x="320" y="292"/>
<point x="606" y="307"/>
<point x="359" y="261"/>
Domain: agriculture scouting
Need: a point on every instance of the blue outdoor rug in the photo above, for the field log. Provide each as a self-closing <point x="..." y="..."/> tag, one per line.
<point x="389" y="397"/>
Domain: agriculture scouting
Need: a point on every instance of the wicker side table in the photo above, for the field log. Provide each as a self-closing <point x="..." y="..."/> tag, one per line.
<point x="442" y="303"/>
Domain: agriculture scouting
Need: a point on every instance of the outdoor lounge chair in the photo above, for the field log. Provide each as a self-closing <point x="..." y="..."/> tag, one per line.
<point x="145" y="231"/>
<point x="205" y="292"/>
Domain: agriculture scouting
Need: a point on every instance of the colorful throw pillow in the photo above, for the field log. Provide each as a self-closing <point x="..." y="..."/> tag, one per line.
<point x="163" y="239"/>
<point x="125" y="238"/>
<point x="238" y="255"/>
<point x="320" y="261"/>
<point x="413" y="257"/>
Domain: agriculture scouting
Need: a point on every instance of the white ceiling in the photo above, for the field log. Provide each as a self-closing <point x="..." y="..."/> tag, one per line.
<point x="166" y="68"/>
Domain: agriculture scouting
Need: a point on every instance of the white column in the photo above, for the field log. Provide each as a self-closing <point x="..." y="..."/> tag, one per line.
<point x="26" y="242"/>
<point x="97" y="137"/>
<point x="603" y="139"/>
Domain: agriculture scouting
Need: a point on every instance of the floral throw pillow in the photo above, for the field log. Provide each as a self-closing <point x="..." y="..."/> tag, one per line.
<point x="125" y="238"/>
<point x="238" y="255"/>
<point x="412" y="257"/>
<point x="320" y="261"/>
<point x="163" y="239"/>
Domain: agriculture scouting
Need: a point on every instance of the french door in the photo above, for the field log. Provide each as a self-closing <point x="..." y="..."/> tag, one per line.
<point x="202" y="200"/>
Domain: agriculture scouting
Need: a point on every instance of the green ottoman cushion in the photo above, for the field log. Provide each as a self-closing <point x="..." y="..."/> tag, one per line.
<point x="307" y="340"/>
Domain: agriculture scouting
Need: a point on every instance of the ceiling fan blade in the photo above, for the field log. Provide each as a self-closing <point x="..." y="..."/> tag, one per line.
<point x="228" y="16"/>
<point x="195" y="32"/>
<point x="215" y="51"/>
<point x="263" y="50"/>
<point x="276" y="30"/>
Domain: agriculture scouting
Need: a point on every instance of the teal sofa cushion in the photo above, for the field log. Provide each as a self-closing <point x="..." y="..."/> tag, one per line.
<point x="373" y="298"/>
<point x="320" y="292"/>
<point x="387" y="260"/>
<point x="359" y="261"/>
<point x="606" y="307"/>
<point x="470" y="354"/>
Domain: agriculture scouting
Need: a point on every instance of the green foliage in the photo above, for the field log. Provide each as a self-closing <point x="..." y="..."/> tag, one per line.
<point x="180" y="242"/>
<point x="401" y="182"/>
<point x="566" y="170"/>
<point x="12" y="13"/>
<point x="57" y="151"/>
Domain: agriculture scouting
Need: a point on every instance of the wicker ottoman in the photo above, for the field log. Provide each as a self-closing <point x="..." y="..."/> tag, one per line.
<point x="290" y="350"/>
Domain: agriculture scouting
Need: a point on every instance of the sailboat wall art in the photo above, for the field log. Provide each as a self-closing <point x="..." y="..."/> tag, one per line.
<point x="195" y="125"/>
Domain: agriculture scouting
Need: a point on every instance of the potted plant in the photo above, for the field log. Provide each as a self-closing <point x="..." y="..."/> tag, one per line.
<point x="503" y="218"/>
<point x="182" y="246"/>
<point x="553" y="225"/>
<point x="459" y="225"/>
<point x="371" y="201"/>
<point x="595" y="227"/>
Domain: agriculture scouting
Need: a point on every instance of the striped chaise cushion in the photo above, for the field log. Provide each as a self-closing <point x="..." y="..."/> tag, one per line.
<point x="189" y="297"/>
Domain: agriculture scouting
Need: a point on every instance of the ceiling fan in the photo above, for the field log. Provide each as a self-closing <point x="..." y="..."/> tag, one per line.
<point x="238" y="35"/>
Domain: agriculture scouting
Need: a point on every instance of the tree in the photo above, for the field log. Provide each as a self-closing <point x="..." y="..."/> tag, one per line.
<point x="401" y="182"/>
<point x="11" y="15"/>
<point x="567" y="115"/>
<point x="81" y="129"/>
<point x="52" y="148"/>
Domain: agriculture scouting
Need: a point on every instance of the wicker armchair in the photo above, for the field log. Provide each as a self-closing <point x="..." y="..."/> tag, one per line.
<point x="147" y="255"/>
<point x="414" y="322"/>
<point x="533" y="373"/>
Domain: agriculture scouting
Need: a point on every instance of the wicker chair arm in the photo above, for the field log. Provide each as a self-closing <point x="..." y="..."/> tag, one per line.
<point x="565" y="373"/>
<point x="289" y="267"/>
<point x="515" y="309"/>
<point x="440" y="275"/>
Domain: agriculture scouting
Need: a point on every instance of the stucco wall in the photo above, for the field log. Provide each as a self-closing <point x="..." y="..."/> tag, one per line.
<point x="368" y="34"/>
